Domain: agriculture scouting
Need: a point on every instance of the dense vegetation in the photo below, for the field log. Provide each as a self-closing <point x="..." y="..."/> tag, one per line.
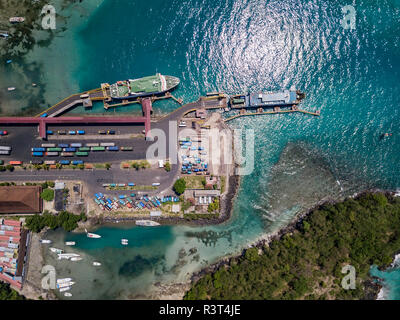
<point x="7" y="293"/>
<point x="307" y="263"/>
<point x="68" y="221"/>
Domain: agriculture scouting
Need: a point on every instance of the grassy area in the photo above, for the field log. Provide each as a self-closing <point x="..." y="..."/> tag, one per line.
<point x="223" y="184"/>
<point x="194" y="182"/>
<point x="136" y="164"/>
<point x="307" y="263"/>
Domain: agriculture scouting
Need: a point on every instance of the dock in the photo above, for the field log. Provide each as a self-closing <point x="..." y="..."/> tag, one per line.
<point x="275" y="111"/>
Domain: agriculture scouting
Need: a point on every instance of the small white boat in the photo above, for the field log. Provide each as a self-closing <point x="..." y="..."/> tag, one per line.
<point x="147" y="223"/>
<point x="55" y="250"/>
<point x="76" y="259"/>
<point x="67" y="255"/>
<point x="64" y="280"/>
<point x="65" y="284"/>
<point x="65" y="289"/>
<point x="96" y="264"/>
<point x="16" y="19"/>
<point x="11" y="88"/>
<point x="124" y="242"/>
<point x="92" y="235"/>
<point x="67" y="294"/>
<point x="44" y="241"/>
<point x="70" y="243"/>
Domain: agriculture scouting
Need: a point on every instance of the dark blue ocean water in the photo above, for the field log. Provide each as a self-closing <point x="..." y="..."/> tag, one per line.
<point x="352" y="76"/>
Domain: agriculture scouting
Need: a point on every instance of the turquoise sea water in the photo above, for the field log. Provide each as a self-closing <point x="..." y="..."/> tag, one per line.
<point x="352" y="76"/>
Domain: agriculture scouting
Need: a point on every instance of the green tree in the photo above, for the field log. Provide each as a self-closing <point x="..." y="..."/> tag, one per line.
<point x="47" y="195"/>
<point x="180" y="186"/>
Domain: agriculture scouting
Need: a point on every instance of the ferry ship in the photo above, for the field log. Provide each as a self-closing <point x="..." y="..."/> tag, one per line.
<point x="267" y="99"/>
<point x="143" y="87"/>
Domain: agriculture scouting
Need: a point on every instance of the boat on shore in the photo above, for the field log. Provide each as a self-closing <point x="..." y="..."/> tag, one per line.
<point x="65" y="289"/>
<point x="147" y="223"/>
<point x="143" y="87"/>
<point x="45" y="241"/>
<point x="68" y="294"/>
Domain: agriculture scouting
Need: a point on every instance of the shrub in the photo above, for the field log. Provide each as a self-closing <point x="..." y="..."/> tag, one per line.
<point x="180" y="186"/>
<point x="47" y="195"/>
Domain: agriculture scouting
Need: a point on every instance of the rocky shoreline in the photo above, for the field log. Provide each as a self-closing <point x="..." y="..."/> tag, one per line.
<point x="372" y="287"/>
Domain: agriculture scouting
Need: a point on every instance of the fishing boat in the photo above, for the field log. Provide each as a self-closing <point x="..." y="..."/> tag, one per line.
<point x="147" y="223"/>
<point x="45" y="241"/>
<point x="8" y="61"/>
<point x="76" y="259"/>
<point x="92" y="235"/>
<point x="70" y="243"/>
<point x="68" y="294"/>
<point x="16" y="19"/>
<point x="96" y="264"/>
<point x="11" y="88"/>
<point x="55" y="250"/>
<point x="64" y="280"/>
<point x="65" y="284"/>
<point x="143" y="87"/>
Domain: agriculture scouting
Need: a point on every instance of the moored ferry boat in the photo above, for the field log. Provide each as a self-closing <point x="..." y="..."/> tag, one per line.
<point x="267" y="99"/>
<point x="143" y="87"/>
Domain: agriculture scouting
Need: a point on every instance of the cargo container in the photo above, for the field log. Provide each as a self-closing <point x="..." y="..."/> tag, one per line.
<point x="98" y="149"/>
<point x="63" y="145"/>
<point x="111" y="132"/>
<point x="112" y="148"/>
<point x="5" y="148"/>
<point x="67" y="154"/>
<point x="69" y="149"/>
<point x="37" y="162"/>
<point x="49" y="162"/>
<point x="49" y="132"/>
<point x="131" y="184"/>
<point x="107" y="144"/>
<point x="72" y="132"/>
<point x="37" y="154"/>
<point x="126" y="148"/>
<point x="81" y="154"/>
<point x="54" y="149"/>
<point x="81" y="131"/>
<point x="155" y="184"/>
<point x="76" y="145"/>
<point x="92" y="144"/>
<point x="48" y="145"/>
<point x="75" y="162"/>
<point x="15" y="163"/>
<point x="102" y="132"/>
<point x="38" y="149"/>
<point x="62" y="132"/>
<point x="85" y="149"/>
<point x="52" y="154"/>
<point x="64" y="162"/>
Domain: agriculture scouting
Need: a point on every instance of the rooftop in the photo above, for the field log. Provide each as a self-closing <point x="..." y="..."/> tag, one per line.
<point x="20" y="199"/>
